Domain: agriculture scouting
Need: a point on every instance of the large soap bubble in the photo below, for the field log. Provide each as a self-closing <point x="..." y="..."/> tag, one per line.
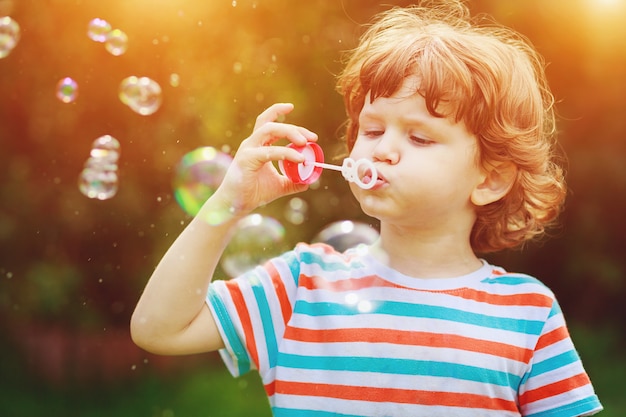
<point x="257" y="238"/>
<point x="141" y="94"/>
<point x="9" y="35"/>
<point x="347" y="234"/>
<point x="198" y="175"/>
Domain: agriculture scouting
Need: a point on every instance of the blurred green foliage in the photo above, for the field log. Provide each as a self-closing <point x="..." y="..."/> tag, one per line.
<point x="80" y="264"/>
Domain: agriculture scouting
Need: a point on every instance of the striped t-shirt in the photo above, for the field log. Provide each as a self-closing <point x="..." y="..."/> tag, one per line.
<point x="341" y="334"/>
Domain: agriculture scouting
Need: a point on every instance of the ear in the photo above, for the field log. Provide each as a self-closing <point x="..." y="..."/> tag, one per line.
<point x="497" y="182"/>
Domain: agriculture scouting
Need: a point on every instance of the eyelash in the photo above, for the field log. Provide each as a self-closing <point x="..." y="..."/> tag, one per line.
<point x="414" y="139"/>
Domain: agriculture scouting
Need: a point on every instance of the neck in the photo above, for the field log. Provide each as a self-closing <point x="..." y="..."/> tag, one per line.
<point x="419" y="254"/>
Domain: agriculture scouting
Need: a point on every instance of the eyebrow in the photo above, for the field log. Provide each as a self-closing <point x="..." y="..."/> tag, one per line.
<point x="421" y="122"/>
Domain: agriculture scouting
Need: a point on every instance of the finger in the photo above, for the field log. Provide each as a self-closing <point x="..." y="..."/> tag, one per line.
<point x="272" y="113"/>
<point x="271" y="132"/>
<point x="260" y="156"/>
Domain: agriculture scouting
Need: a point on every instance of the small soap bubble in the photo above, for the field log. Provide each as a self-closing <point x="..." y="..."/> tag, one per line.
<point x="9" y="35"/>
<point x="98" y="29"/>
<point x="256" y="239"/>
<point x="105" y="150"/>
<point x="99" y="179"/>
<point x="347" y="234"/>
<point x="67" y="90"/>
<point x="198" y="175"/>
<point x="99" y="184"/>
<point x="116" y="42"/>
<point x="296" y="210"/>
<point x="141" y="94"/>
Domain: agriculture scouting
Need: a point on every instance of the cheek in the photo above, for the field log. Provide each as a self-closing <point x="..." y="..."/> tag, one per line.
<point x="359" y="151"/>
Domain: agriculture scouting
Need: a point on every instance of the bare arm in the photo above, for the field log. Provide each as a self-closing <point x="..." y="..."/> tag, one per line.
<point x="171" y="316"/>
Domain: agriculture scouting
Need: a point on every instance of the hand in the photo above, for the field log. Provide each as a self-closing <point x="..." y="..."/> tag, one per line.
<point x="252" y="180"/>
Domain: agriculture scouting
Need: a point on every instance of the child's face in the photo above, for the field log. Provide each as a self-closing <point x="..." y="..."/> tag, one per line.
<point x="428" y="166"/>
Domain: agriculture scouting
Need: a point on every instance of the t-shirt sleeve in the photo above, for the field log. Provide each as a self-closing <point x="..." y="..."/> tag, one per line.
<point x="556" y="384"/>
<point x="251" y="312"/>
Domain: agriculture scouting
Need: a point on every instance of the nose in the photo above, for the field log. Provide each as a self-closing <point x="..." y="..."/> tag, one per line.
<point x="387" y="149"/>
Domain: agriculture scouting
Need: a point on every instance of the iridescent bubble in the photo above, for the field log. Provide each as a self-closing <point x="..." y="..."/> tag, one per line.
<point x="296" y="210"/>
<point x="9" y="35"/>
<point x="106" y="150"/>
<point x="116" y="42"/>
<point x="347" y="234"/>
<point x="96" y="183"/>
<point x="198" y="175"/>
<point x="67" y="90"/>
<point x="98" y="29"/>
<point x="256" y="239"/>
<point x="141" y="94"/>
<point x="98" y="178"/>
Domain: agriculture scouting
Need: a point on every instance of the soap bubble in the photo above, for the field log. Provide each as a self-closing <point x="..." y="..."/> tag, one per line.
<point x="347" y="234"/>
<point x="98" y="178"/>
<point x="98" y="29"/>
<point x="296" y="210"/>
<point x="105" y="150"/>
<point x="198" y="175"/>
<point x="141" y="94"/>
<point x="96" y="183"/>
<point x="67" y="90"/>
<point x="116" y="42"/>
<point x="9" y="35"/>
<point x="256" y="239"/>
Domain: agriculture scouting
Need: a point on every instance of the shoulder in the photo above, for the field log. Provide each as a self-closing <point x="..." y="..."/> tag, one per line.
<point x="510" y="283"/>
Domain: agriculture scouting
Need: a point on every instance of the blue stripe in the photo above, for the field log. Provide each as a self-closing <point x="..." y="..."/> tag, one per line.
<point x="556" y="309"/>
<point x="293" y="264"/>
<point x="512" y="280"/>
<point x="394" y="366"/>
<point x="266" y="319"/>
<point x="241" y="355"/>
<point x="290" y="412"/>
<point x="394" y="308"/>
<point x="322" y="261"/>
<point x="578" y="408"/>
<point x="555" y="362"/>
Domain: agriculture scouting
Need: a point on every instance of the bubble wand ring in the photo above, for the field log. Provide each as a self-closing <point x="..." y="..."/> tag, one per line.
<point x="350" y="171"/>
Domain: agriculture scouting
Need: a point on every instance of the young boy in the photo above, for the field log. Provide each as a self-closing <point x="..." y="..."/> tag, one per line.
<point x="458" y="121"/>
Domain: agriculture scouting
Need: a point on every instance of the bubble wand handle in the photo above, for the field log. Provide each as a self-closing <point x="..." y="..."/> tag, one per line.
<point x="350" y="170"/>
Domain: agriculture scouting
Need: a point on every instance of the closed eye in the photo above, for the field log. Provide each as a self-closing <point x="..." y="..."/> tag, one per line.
<point x="372" y="133"/>
<point x="417" y="140"/>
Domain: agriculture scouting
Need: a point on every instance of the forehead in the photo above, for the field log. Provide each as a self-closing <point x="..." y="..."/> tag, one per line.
<point x="408" y="98"/>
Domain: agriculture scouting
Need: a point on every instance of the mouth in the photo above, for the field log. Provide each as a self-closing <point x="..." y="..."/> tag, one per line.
<point x="368" y="177"/>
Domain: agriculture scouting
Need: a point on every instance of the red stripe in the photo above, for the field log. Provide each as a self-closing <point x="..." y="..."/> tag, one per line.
<point x="529" y="299"/>
<point x="403" y="337"/>
<point x="395" y="395"/>
<point x="352" y="284"/>
<point x="281" y="292"/>
<point x="555" y="388"/>
<point x="552" y="337"/>
<point x="244" y="316"/>
<point x="317" y="282"/>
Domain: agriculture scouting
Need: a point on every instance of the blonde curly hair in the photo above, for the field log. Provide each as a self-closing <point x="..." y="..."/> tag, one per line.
<point x="493" y="80"/>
